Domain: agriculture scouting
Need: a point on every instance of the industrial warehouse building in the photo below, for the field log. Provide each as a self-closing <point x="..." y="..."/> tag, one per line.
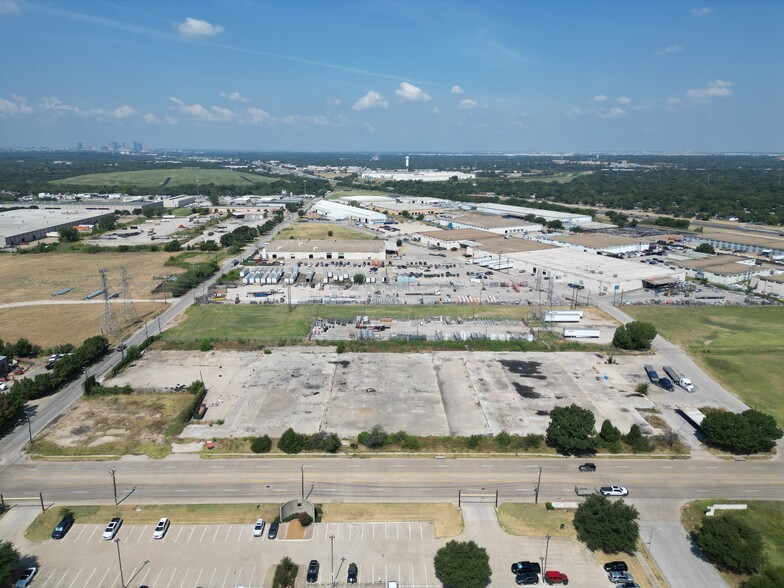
<point x="567" y="218"/>
<point x="359" y="250"/>
<point x="724" y="269"/>
<point x="24" y="225"/>
<point x="760" y="243"/>
<point x="490" y="223"/>
<point x="600" y="243"/>
<point x="769" y="284"/>
<point x="338" y="212"/>
<point x="179" y="201"/>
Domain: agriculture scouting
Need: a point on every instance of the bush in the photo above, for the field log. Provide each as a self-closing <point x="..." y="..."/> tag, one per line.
<point x="326" y="442"/>
<point x="9" y="557"/>
<point x="503" y="439"/>
<point x="769" y="578"/>
<point x="549" y="506"/>
<point x="305" y="519"/>
<point x="473" y="441"/>
<point x="340" y="347"/>
<point x="636" y="441"/>
<point x="261" y="444"/>
<point x="731" y="542"/>
<point x="606" y="525"/>
<point x="461" y="564"/>
<point x="571" y="430"/>
<point x="291" y="442"/>
<point x="376" y="438"/>
<point x="705" y="248"/>
<point x="748" y="432"/>
<point x="642" y="388"/>
<point x="205" y="345"/>
<point x="410" y="444"/>
<point x="635" y="335"/>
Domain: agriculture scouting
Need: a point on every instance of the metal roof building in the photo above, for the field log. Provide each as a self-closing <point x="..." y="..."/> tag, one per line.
<point x="337" y="211"/>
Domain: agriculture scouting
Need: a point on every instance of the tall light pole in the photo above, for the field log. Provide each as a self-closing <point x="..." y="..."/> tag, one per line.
<point x="546" y="553"/>
<point x="302" y="469"/>
<point x="112" y="472"/>
<point x="119" y="560"/>
<point x="332" y="557"/>
<point x="538" y="482"/>
<point x="29" y="428"/>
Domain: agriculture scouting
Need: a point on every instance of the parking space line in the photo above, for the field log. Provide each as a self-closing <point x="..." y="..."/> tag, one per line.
<point x="185" y="578"/>
<point x="400" y="575"/>
<point x="410" y="537"/>
<point x="63" y="578"/>
<point x="253" y="573"/>
<point x="91" y="534"/>
<point x="216" y="533"/>
<point x="204" y="533"/>
<point x="227" y="535"/>
<point x="213" y="575"/>
<point x="87" y="583"/>
<point x="141" y="534"/>
<point x="198" y="577"/>
<point x="49" y="578"/>
<point x="239" y="535"/>
<point x="172" y="577"/>
<point x="421" y="532"/>
<point x="386" y="574"/>
<point x="178" y="534"/>
<point x="158" y="577"/>
<point x="226" y="577"/>
<point x="130" y="532"/>
<point x="349" y="531"/>
<point x="104" y="577"/>
<point x="362" y="537"/>
<point x="427" y="585"/>
<point x="80" y="533"/>
<point x="385" y="531"/>
<point x="397" y="528"/>
<point x="191" y="535"/>
<point x="147" y="573"/>
<point x="117" y="577"/>
<point x="413" y="583"/>
<point x="373" y="572"/>
<point x="239" y="574"/>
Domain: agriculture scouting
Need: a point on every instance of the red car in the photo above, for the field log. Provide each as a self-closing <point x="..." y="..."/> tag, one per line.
<point x="556" y="578"/>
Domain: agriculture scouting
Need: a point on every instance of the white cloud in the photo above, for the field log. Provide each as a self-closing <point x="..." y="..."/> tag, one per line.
<point x="574" y="112"/>
<point x="299" y="119"/>
<point x="410" y="93"/>
<point x="234" y="97"/>
<point x="9" y="7"/>
<point x="368" y="127"/>
<point x="194" y="27"/>
<point x="714" y="89"/>
<point x="614" y="112"/>
<point x="700" y="12"/>
<point x="123" y="111"/>
<point x="17" y="105"/>
<point x="468" y="104"/>
<point x="674" y="101"/>
<point x="599" y="98"/>
<point x="212" y="114"/>
<point x="258" y="116"/>
<point x="669" y="50"/>
<point x="151" y="119"/>
<point x="334" y="102"/>
<point x="436" y="110"/>
<point x="371" y="100"/>
<point x="57" y="106"/>
<point x="457" y="90"/>
<point x="623" y="100"/>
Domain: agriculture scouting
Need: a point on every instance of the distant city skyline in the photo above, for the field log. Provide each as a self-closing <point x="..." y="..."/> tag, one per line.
<point x="438" y="76"/>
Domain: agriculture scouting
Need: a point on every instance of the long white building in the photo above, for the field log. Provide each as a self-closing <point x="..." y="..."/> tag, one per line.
<point x="337" y="211"/>
<point x="567" y="218"/>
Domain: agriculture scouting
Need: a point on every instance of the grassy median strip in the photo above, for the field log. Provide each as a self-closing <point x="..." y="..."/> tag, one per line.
<point x="193" y="514"/>
<point x="448" y="520"/>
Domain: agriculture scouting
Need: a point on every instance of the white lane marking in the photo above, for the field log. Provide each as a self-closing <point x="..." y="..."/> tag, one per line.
<point x="178" y="534"/>
<point x="49" y="578"/>
<point x="185" y="578"/>
<point x="183" y="491"/>
<point x="239" y="574"/>
<point x="251" y="576"/>
<point x="170" y="468"/>
<point x="80" y="533"/>
<point x="225" y="578"/>
<point x="191" y="535"/>
<point x="158" y="577"/>
<point x="87" y="583"/>
<point x="622" y="467"/>
<point x="130" y="533"/>
<point x="213" y="575"/>
<point x="667" y="467"/>
<point x="231" y="490"/>
<point x="712" y="468"/>
<point x="426" y="574"/>
<point x="104" y="577"/>
<point x="226" y="540"/>
<point x="93" y="533"/>
<point x="488" y="465"/>
<point x="239" y="535"/>
<point x="172" y="578"/>
<point x="353" y="466"/>
<point x="217" y="467"/>
<point x="117" y="577"/>
<point x="421" y="532"/>
<point x="394" y="465"/>
<point x="216" y="533"/>
<point x="63" y="578"/>
<point x="204" y="533"/>
<point x="145" y="576"/>
<point x="397" y="528"/>
<point x="198" y="577"/>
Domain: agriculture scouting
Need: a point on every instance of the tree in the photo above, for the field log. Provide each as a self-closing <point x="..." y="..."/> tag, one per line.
<point x="359" y="279"/>
<point x="636" y="441"/>
<point x="209" y="245"/>
<point x="261" y="444"/>
<point x="748" y="432"/>
<point x="291" y="442"/>
<point x="571" y="430"/>
<point x="171" y="246"/>
<point x="634" y="335"/>
<point x="610" y="526"/>
<point x="107" y="223"/>
<point x="705" y="248"/>
<point x="68" y="235"/>
<point x="731" y="542"/>
<point x="330" y="233"/>
<point x="462" y="564"/>
<point x="9" y="557"/>
<point x="768" y="578"/>
<point x="374" y="439"/>
<point x="399" y="242"/>
<point x="610" y="437"/>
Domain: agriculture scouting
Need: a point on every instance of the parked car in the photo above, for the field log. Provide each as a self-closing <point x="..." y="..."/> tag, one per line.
<point x="258" y="529"/>
<point x="273" y="530"/>
<point x="26" y="577"/>
<point x="616" y="566"/>
<point x="353" y="572"/>
<point x="161" y="528"/>
<point x="620" y="577"/>
<point x="112" y="528"/>
<point x="614" y="491"/>
<point x="522" y="567"/>
<point x="63" y="527"/>
<point x="313" y="571"/>
<point x="628" y="585"/>
<point x="553" y="577"/>
<point x="587" y="467"/>
<point x="526" y="578"/>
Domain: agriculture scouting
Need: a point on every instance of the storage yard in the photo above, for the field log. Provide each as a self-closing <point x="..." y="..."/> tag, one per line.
<point x="441" y="393"/>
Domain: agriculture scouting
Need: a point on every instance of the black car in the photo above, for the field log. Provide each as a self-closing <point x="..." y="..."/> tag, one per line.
<point x="526" y="578"/>
<point x="273" y="530"/>
<point x="313" y="570"/>
<point x="616" y="566"/>
<point x="526" y="567"/>
<point x="353" y="572"/>
<point x="587" y="467"/>
<point x="63" y="527"/>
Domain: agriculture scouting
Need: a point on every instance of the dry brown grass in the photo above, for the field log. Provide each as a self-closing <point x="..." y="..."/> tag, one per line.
<point x="294" y="530"/>
<point x="51" y="324"/>
<point x="534" y="520"/>
<point x="36" y="276"/>
<point x="447" y="518"/>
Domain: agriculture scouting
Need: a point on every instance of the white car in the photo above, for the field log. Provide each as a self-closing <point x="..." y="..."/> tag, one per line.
<point x="258" y="529"/>
<point x="614" y="491"/>
<point x="161" y="528"/>
<point x="112" y="528"/>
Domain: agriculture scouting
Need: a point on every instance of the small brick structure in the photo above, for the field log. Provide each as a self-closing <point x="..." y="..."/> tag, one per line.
<point x="297" y="506"/>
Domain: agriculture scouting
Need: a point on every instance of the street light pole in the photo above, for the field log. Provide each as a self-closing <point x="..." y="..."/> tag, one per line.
<point x="546" y="553"/>
<point x="303" y="481"/>
<point x="119" y="560"/>
<point x="538" y="482"/>
<point x="29" y="429"/>
<point x="332" y="557"/>
<point x="112" y="472"/>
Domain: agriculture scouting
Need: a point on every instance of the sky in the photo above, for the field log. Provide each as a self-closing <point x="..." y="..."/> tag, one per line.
<point x="394" y="75"/>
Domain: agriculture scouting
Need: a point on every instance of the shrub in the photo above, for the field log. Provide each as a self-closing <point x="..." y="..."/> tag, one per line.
<point x="748" y="432"/>
<point x="636" y="441"/>
<point x="261" y="444"/>
<point x="410" y="443"/>
<point x="532" y="441"/>
<point x="503" y="439"/>
<point x="473" y="441"/>
<point x="642" y="388"/>
<point x="635" y="335"/>
<point x="549" y="506"/>
<point x="205" y="345"/>
<point x="768" y="578"/>
<point x="305" y="519"/>
<point x="376" y="438"/>
<point x="340" y="347"/>
<point x="606" y="525"/>
<point x="731" y="542"/>
<point x="290" y="442"/>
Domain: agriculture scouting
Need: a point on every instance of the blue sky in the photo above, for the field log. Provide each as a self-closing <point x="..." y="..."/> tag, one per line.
<point x="394" y="75"/>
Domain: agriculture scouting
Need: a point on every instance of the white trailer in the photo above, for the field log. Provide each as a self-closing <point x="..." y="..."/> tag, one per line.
<point x="558" y="312"/>
<point x="561" y="318"/>
<point x="582" y="333"/>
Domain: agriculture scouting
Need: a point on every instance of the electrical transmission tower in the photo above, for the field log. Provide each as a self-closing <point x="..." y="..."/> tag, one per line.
<point x="128" y="310"/>
<point x="539" y="301"/>
<point x="110" y="326"/>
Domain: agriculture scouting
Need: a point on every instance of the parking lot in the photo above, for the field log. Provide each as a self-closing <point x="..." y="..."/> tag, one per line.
<point x="228" y="556"/>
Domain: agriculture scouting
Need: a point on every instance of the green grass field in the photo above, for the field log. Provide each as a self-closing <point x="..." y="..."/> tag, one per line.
<point x="273" y="323"/>
<point x="766" y="516"/>
<point x="155" y="178"/>
<point x="741" y="347"/>
<point x="321" y="231"/>
<point x="561" y="178"/>
<point x="346" y="192"/>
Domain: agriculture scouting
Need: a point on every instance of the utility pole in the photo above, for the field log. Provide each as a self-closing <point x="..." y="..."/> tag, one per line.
<point x="112" y="472"/>
<point x="29" y="428"/>
<point x="303" y="481"/>
<point x="538" y="481"/>
<point x="332" y="557"/>
<point x="546" y="552"/>
<point x="119" y="559"/>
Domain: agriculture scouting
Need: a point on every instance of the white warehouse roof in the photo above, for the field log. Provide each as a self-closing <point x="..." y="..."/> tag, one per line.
<point x="338" y="211"/>
<point x="521" y="211"/>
